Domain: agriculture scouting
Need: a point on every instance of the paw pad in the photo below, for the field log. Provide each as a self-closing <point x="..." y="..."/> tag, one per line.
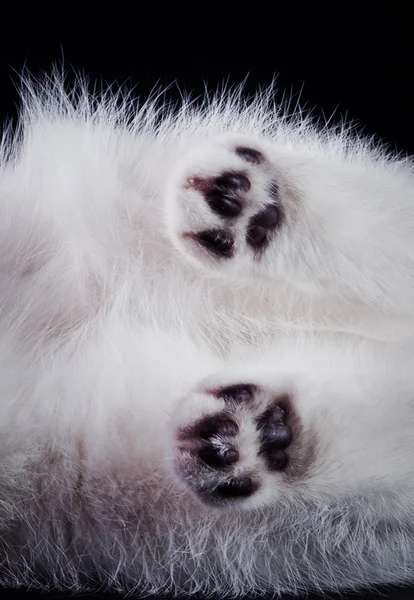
<point x="217" y="241"/>
<point x="261" y="225"/>
<point x="238" y="487"/>
<point x="239" y="199"/>
<point x="216" y="465"/>
<point x="250" y="155"/>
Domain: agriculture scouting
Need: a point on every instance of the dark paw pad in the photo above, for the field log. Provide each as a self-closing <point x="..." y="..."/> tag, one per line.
<point x="237" y="487"/>
<point x="217" y="241"/>
<point x="211" y="440"/>
<point x="224" y="193"/>
<point x="239" y="393"/>
<point x="223" y="198"/>
<point x="218" y="457"/>
<point x="262" y="225"/>
<point x="216" y="425"/>
<point x="250" y="155"/>
<point x="275" y="437"/>
<point x="233" y="181"/>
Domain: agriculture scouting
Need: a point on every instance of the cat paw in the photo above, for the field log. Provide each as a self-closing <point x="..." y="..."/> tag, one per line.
<point x="228" y="206"/>
<point x="241" y="447"/>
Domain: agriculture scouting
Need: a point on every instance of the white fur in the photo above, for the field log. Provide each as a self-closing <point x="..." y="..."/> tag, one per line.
<point x="110" y="320"/>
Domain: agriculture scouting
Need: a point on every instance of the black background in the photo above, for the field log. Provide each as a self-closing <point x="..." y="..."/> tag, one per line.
<point x="338" y="61"/>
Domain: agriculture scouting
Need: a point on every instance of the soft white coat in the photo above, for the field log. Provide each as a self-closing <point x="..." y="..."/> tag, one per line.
<point x="120" y="333"/>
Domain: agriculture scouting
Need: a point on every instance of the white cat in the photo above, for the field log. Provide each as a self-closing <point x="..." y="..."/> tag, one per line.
<point x="207" y="349"/>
